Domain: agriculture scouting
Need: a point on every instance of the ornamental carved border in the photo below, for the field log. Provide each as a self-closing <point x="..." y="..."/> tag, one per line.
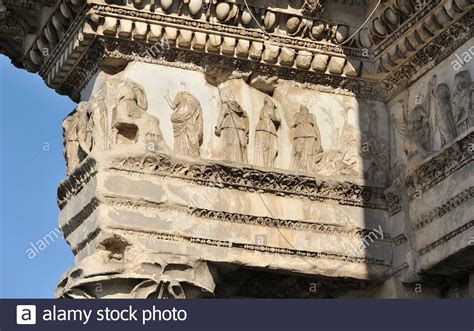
<point x="441" y="166"/>
<point x="445" y="208"/>
<point x="249" y="247"/>
<point x="133" y="50"/>
<point x="405" y="26"/>
<point x="210" y="28"/>
<point x="108" y="46"/>
<point x="223" y="216"/>
<point x="81" y="75"/>
<point x="253" y="180"/>
<point x="431" y="55"/>
<point x="76" y="181"/>
<point x="446" y="238"/>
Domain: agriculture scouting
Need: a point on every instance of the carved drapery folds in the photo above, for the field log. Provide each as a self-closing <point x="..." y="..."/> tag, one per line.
<point x="266" y="138"/>
<point x="444" y="115"/>
<point x="187" y="124"/>
<point x="437" y="116"/>
<point x="307" y="149"/>
<point x="131" y="123"/>
<point x="77" y="136"/>
<point x="233" y="130"/>
<point x="418" y="138"/>
<point x="283" y="137"/>
<point x="463" y="101"/>
<point x="90" y="128"/>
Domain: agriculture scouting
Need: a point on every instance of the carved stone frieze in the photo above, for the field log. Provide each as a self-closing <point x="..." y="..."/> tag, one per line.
<point x="224" y="216"/>
<point x="444" y="208"/>
<point x="250" y="179"/>
<point x="446" y="238"/>
<point x="256" y="247"/>
<point x="437" y="50"/>
<point x="437" y="168"/>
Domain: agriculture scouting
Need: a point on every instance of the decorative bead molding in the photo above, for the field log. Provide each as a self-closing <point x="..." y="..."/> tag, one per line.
<point x="248" y="247"/>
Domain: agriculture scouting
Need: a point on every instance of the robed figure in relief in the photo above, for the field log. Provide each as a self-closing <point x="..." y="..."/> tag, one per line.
<point x="187" y="124"/>
<point x="233" y="129"/>
<point x="307" y="148"/>
<point x="266" y="138"/>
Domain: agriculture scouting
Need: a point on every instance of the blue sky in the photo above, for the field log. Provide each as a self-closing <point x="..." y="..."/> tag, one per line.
<point x="31" y="167"/>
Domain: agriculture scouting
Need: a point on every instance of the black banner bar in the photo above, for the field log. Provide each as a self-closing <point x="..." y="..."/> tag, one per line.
<point x="291" y="315"/>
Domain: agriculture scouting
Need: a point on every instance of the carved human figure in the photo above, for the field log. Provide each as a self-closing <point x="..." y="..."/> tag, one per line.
<point x="463" y="100"/>
<point x="418" y="137"/>
<point x="98" y="120"/>
<point x="132" y="124"/>
<point x="307" y="149"/>
<point x="444" y="119"/>
<point x="233" y="129"/>
<point x="76" y="136"/>
<point x="266" y="138"/>
<point x="187" y="124"/>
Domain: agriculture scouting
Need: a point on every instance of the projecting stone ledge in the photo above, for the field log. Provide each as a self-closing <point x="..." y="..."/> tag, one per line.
<point x="137" y="217"/>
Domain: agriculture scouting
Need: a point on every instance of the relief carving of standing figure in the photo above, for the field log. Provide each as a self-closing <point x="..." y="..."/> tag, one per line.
<point x="98" y="120"/>
<point x="77" y="136"/>
<point x="187" y="124"/>
<point x="307" y="149"/>
<point x="463" y="100"/>
<point x="418" y="138"/>
<point x="233" y="129"/>
<point x="266" y="138"/>
<point x="443" y="116"/>
<point x="131" y="122"/>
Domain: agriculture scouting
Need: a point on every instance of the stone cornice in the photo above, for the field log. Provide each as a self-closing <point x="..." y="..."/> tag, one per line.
<point x="43" y="35"/>
<point x="391" y="62"/>
<point x="432" y="54"/>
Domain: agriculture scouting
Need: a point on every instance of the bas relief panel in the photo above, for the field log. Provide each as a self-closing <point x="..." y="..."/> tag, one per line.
<point x="431" y="114"/>
<point x="296" y="129"/>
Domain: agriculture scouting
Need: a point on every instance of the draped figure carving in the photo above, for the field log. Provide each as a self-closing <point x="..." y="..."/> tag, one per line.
<point x="444" y="116"/>
<point x="418" y="138"/>
<point x="187" y="124"/>
<point x="233" y="129"/>
<point x="307" y="149"/>
<point x="463" y="100"/>
<point x="77" y="136"/>
<point x="131" y="123"/>
<point x="266" y="138"/>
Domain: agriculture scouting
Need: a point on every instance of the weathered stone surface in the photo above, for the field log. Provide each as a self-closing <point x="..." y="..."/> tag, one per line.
<point x="206" y="146"/>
